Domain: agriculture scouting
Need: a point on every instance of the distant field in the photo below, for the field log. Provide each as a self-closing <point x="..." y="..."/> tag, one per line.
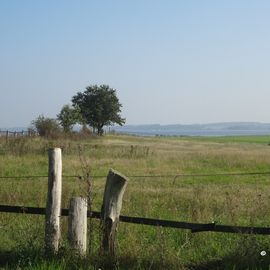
<point x="230" y="200"/>
<point x="234" y="139"/>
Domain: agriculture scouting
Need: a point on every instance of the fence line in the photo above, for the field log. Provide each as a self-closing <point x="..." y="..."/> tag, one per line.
<point x="111" y="208"/>
<point x="23" y="133"/>
<point x="174" y="176"/>
<point x="194" y="227"/>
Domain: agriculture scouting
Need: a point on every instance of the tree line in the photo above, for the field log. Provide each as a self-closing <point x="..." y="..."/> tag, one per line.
<point x="95" y="108"/>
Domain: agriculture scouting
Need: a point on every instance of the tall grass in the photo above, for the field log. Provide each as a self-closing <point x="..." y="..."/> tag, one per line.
<point x="230" y="200"/>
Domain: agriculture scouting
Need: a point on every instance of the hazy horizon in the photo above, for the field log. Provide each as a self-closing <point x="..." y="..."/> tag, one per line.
<point x="171" y="62"/>
<point x="244" y="124"/>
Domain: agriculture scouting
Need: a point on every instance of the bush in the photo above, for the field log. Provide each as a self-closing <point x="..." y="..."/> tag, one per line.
<point x="46" y="127"/>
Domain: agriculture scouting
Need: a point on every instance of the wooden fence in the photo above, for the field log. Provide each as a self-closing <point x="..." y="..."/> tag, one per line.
<point x="109" y="215"/>
<point x="15" y="134"/>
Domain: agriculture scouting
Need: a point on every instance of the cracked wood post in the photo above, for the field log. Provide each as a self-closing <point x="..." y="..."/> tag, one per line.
<point x="53" y="207"/>
<point x="112" y="203"/>
<point x="77" y="224"/>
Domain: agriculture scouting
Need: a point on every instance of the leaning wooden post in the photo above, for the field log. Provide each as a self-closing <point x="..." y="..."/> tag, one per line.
<point x="77" y="224"/>
<point x="111" y="207"/>
<point x="53" y="208"/>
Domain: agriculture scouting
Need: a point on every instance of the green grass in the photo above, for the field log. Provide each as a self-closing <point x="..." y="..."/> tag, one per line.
<point x="262" y="139"/>
<point x="231" y="200"/>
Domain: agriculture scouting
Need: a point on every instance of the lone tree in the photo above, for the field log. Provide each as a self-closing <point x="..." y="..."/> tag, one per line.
<point x="99" y="107"/>
<point x="68" y="117"/>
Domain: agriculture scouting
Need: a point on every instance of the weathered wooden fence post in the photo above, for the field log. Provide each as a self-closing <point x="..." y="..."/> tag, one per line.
<point x="111" y="207"/>
<point x="53" y="207"/>
<point x="77" y="224"/>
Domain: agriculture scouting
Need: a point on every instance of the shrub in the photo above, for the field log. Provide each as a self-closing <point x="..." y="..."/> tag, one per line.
<point x="46" y="127"/>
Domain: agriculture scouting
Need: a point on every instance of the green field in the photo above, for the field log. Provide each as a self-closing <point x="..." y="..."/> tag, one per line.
<point x="227" y="200"/>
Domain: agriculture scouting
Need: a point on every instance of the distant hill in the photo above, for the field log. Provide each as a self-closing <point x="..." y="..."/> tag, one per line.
<point x="212" y="129"/>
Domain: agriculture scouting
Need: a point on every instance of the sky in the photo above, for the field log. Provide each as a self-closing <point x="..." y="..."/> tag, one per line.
<point x="171" y="62"/>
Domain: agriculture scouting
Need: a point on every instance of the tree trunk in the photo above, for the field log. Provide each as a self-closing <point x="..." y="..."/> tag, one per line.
<point x="100" y="130"/>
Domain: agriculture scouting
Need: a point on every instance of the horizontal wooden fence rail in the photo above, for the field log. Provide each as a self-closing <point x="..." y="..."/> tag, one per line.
<point x="194" y="227"/>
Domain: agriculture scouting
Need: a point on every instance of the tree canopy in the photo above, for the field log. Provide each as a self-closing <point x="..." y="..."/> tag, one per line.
<point x="68" y="117"/>
<point x="99" y="107"/>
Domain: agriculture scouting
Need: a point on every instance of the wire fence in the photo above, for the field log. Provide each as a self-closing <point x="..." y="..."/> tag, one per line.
<point x="23" y="133"/>
<point x="194" y="227"/>
<point x="174" y="176"/>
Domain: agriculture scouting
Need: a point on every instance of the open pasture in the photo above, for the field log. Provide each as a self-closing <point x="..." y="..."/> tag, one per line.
<point x="228" y="200"/>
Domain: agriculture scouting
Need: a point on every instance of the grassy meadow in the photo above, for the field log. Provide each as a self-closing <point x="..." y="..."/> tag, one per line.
<point x="227" y="200"/>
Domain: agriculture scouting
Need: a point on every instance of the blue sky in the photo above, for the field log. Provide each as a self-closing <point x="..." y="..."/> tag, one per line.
<point x="170" y="61"/>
